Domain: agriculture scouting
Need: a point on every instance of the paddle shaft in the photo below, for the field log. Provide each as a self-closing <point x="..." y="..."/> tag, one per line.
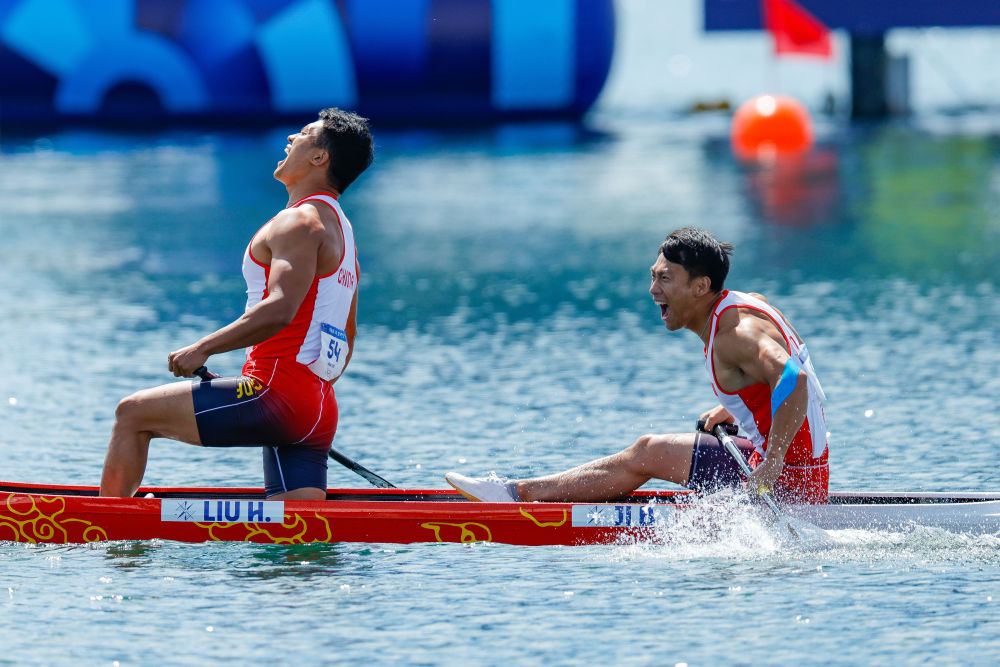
<point x="734" y="451"/>
<point x="356" y="467"/>
<point x="346" y="461"/>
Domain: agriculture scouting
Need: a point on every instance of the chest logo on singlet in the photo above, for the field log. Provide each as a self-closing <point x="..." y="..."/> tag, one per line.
<point x="346" y="278"/>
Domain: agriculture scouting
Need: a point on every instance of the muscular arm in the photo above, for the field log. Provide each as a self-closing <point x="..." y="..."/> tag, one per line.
<point x="293" y="239"/>
<point x="753" y="346"/>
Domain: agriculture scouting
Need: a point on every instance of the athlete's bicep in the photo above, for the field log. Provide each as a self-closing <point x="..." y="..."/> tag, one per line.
<point x="294" y="246"/>
<point x="765" y="357"/>
<point x="352" y="321"/>
<point x="352" y="316"/>
<point x="770" y="361"/>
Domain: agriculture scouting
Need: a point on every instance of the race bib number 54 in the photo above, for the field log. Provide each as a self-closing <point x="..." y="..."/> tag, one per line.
<point x="332" y="354"/>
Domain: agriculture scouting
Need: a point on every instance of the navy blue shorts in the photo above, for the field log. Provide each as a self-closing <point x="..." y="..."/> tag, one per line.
<point x="244" y="412"/>
<point x="712" y="468"/>
<point x="288" y="468"/>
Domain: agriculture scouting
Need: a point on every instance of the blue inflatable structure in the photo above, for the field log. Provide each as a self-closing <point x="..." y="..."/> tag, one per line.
<point x="252" y="60"/>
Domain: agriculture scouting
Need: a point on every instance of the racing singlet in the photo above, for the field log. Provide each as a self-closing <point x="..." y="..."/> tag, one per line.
<point x="806" y="473"/>
<point x="315" y="339"/>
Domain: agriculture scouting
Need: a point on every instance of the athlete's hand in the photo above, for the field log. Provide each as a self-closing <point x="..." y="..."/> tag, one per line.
<point x="185" y="361"/>
<point x="714" y="417"/>
<point x="765" y="474"/>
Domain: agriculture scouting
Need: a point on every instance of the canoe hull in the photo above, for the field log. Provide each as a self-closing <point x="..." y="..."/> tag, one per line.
<point x="45" y="513"/>
<point x="976" y="517"/>
<point x="76" y="519"/>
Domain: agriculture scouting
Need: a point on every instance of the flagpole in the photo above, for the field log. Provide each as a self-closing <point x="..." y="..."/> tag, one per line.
<point x="773" y="71"/>
<point x="793" y="30"/>
<point x="773" y="81"/>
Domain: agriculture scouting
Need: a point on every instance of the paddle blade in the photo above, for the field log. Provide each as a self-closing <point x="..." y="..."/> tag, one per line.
<point x="805" y="534"/>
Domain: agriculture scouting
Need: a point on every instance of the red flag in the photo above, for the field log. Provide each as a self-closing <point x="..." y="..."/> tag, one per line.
<point x="795" y="30"/>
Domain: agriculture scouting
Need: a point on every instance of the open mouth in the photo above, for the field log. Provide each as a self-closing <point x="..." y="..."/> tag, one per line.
<point x="664" y="311"/>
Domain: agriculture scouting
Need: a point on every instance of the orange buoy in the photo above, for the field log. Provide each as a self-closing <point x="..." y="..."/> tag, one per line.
<point x="767" y="126"/>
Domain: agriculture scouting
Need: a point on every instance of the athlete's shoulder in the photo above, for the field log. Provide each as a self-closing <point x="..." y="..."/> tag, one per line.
<point x="745" y="299"/>
<point x="302" y="219"/>
<point x="740" y="334"/>
<point x="770" y="317"/>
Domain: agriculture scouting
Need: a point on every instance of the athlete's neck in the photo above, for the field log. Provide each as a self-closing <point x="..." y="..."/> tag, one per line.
<point x="704" y="331"/>
<point x="301" y="190"/>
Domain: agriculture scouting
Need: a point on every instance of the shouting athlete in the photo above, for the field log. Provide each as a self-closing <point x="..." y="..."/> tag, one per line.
<point x="760" y="370"/>
<point x="301" y="271"/>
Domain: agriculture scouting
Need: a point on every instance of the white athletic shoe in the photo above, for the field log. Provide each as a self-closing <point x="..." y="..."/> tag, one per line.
<point x="490" y="489"/>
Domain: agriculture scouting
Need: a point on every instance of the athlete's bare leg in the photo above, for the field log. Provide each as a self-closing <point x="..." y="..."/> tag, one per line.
<point x="666" y="457"/>
<point x="304" y="493"/>
<point x="166" y="411"/>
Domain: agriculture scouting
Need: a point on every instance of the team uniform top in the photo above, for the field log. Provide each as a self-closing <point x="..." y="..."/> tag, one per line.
<point x="806" y="471"/>
<point x="314" y="343"/>
<point x="284" y="400"/>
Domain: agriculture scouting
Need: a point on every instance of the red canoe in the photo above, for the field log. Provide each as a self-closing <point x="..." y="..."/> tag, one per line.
<point x="75" y="514"/>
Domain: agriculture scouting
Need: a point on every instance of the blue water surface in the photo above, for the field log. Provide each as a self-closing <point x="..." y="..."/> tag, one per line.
<point x="504" y="325"/>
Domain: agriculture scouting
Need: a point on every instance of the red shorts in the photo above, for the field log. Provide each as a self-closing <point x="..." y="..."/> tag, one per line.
<point x="801" y="483"/>
<point x="713" y="468"/>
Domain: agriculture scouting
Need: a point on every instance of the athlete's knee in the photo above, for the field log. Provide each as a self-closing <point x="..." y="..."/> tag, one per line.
<point x="127" y="408"/>
<point x="131" y="410"/>
<point x="648" y="449"/>
<point x="637" y="455"/>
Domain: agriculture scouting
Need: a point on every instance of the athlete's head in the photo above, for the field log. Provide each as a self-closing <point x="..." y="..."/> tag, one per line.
<point x="346" y="138"/>
<point x="699" y="253"/>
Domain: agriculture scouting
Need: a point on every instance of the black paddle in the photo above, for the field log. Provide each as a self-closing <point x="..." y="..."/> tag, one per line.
<point x="345" y="461"/>
<point x="724" y="433"/>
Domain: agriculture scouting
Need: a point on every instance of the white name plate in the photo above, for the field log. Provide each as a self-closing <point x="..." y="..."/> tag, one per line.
<point x="621" y="516"/>
<point x="222" y="511"/>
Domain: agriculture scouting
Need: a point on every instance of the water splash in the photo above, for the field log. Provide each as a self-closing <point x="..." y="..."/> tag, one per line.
<point x="723" y="525"/>
<point x="729" y="526"/>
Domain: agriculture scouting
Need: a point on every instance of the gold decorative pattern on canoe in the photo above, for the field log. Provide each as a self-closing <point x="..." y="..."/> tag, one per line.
<point x="297" y="529"/>
<point x="468" y="532"/>
<point x="43" y="521"/>
<point x="545" y="524"/>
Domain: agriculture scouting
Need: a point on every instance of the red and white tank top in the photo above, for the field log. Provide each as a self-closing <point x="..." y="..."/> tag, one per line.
<point x="751" y="406"/>
<point x="315" y="337"/>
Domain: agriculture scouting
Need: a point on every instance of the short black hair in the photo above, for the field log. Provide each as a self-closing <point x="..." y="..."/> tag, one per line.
<point x="699" y="253"/>
<point x="346" y="137"/>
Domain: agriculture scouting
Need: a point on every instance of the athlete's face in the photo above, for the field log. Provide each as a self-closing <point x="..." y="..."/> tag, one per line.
<point x="675" y="293"/>
<point x="301" y="154"/>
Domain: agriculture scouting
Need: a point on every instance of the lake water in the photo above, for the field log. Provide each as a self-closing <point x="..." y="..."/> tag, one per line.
<point x="504" y="325"/>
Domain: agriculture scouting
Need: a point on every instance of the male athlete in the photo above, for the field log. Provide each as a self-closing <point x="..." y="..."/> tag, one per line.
<point x="301" y="271"/>
<point x="760" y="371"/>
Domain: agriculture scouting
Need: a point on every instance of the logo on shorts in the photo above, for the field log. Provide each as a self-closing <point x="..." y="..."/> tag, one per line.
<point x="247" y="387"/>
